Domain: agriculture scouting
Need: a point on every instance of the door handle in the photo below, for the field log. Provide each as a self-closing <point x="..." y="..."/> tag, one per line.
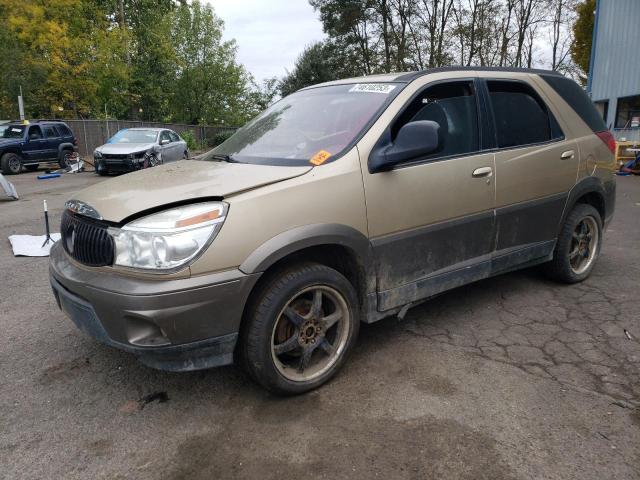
<point x="482" y="172"/>
<point x="567" y="155"/>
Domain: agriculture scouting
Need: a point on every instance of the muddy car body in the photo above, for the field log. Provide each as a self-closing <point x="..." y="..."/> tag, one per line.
<point x="344" y="203"/>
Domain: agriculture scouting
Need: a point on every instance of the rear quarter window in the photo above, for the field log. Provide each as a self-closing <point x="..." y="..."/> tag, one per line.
<point x="577" y="99"/>
<point x="64" y="130"/>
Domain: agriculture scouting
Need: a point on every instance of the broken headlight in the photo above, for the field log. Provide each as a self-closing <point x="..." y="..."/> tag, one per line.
<point x="170" y="239"/>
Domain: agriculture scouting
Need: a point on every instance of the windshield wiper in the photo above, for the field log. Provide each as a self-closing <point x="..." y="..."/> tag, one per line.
<point x="224" y="158"/>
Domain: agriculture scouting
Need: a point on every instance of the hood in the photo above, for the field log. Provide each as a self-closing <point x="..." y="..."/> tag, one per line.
<point x="124" y="148"/>
<point x="121" y="197"/>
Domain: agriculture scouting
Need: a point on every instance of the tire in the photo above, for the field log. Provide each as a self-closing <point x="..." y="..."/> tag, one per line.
<point x="294" y="339"/>
<point x="578" y="246"/>
<point x="31" y="168"/>
<point x="11" y="164"/>
<point x="102" y="173"/>
<point x="185" y="156"/>
<point x="64" y="158"/>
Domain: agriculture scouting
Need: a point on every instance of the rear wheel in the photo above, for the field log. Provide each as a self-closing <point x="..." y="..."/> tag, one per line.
<point x="11" y="164"/>
<point x="578" y="245"/>
<point x="65" y="158"/>
<point x="300" y="329"/>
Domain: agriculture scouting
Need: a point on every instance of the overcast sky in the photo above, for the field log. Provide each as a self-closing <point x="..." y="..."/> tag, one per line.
<point x="270" y="33"/>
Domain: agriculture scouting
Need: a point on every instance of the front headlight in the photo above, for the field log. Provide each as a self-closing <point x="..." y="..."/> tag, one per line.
<point x="97" y="154"/>
<point x="170" y="239"/>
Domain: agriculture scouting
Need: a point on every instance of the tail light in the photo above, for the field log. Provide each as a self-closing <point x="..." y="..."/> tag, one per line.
<point x="607" y="137"/>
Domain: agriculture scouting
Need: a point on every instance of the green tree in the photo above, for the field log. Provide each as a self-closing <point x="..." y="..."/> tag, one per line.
<point x="209" y="85"/>
<point x="583" y="35"/>
<point x="319" y="62"/>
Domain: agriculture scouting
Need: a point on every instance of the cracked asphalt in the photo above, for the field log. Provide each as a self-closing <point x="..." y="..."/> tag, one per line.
<point x="514" y="377"/>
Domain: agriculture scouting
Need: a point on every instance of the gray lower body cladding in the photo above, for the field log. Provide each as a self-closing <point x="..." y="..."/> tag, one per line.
<point x="178" y="325"/>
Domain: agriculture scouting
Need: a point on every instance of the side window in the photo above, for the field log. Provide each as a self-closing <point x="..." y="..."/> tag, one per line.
<point x="453" y="107"/>
<point x="174" y="137"/>
<point x="64" y="131"/>
<point x="50" y="132"/>
<point x="521" y="117"/>
<point x="35" y="133"/>
<point x="165" y="136"/>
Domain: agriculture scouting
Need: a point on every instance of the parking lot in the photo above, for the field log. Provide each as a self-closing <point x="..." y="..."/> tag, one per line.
<point x="513" y="377"/>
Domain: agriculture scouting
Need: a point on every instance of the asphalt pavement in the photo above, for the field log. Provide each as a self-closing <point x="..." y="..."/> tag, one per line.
<point x="514" y="377"/>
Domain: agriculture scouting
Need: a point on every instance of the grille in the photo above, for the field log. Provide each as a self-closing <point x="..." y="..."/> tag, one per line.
<point x="115" y="156"/>
<point x="86" y="240"/>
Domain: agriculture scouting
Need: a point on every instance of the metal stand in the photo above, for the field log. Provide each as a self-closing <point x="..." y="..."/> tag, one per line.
<point x="46" y="224"/>
<point x="8" y="188"/>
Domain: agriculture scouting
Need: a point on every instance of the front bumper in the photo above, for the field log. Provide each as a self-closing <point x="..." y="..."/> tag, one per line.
<point x="178" y="325"/>
<point x="117" y="165"/>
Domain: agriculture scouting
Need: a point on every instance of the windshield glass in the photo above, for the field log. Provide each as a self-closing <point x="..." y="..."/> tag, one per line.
<point x="13" y="131"/>
<point x="134" y="136"/>
<point x="308" y="126"/>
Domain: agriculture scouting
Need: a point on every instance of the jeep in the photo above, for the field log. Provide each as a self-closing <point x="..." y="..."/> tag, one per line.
<point x="27" y="144"/>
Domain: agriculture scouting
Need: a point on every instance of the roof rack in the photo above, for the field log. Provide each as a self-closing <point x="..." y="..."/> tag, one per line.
<point x="413" y="75"/>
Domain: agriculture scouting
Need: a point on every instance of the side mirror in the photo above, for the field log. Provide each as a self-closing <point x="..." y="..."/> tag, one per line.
<point x="165" y="141"/>
<point x="34" y="136"/>
<point x="414" y="140"/>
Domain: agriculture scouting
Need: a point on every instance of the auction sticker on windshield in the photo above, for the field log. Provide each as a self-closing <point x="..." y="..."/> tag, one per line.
<point x="319" y="158"/>
<point x="372" y="88"/>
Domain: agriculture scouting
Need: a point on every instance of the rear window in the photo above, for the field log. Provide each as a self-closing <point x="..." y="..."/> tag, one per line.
<point x="577" y="99"/>
<point x="521" y="117"/>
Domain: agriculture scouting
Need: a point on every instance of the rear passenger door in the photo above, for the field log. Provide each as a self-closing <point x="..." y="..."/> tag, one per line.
<point x="52" y="140"/>
<point x="177" y="146"/>
<point x="536" y="166"/>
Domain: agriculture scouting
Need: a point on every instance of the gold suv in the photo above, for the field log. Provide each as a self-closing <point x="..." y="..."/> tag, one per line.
<point x="343" y="203"/>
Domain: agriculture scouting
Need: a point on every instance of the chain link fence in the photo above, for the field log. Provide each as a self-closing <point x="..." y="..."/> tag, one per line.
<point x="93" y="133"/>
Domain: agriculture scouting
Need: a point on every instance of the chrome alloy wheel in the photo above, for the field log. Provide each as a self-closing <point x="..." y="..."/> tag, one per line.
<point x="584" y="245"/>
<point x="311" y="333"/>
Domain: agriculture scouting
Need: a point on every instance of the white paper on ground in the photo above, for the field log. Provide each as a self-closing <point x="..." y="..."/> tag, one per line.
<point x="31" y="245"/>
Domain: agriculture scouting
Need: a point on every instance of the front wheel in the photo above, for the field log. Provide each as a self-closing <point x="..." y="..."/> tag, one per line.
<point x="578" y="245"/>
<point x="300" y="329"/>
<point x="10" y="164"/>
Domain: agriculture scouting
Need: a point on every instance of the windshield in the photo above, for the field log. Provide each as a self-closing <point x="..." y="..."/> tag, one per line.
<point x="13" y="131"/>
<point x="134" y="136"/>
<point x="309" y="126"/>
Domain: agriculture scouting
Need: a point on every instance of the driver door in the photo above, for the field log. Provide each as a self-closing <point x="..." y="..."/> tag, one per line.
<point x="431" y="220"/>
<point x="34" y="147"/>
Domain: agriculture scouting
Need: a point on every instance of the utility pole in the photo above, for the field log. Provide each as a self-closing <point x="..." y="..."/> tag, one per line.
<point x="21" y="105"/>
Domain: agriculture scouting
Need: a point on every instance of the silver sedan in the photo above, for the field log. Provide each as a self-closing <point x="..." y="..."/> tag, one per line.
<point x="135" y="148"/>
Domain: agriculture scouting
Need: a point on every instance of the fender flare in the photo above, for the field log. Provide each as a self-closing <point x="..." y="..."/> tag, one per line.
<point x="583" y="187"/>
<point x="65" y="146"/>
<point x="12" y="149"/>
<point x="299" y="238"/>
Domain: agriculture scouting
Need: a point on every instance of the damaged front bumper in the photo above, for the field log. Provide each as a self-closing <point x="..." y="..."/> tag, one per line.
<point x="176" y="325"/>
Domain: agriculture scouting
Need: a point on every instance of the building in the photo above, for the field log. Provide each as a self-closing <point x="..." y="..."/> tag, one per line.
<point x="614" y="73"/>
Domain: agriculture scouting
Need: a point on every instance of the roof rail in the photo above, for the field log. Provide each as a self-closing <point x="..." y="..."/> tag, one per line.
<point x="413" y="75"/>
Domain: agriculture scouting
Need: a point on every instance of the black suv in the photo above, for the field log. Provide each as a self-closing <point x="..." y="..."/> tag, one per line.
<point x="28" y="144"/>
